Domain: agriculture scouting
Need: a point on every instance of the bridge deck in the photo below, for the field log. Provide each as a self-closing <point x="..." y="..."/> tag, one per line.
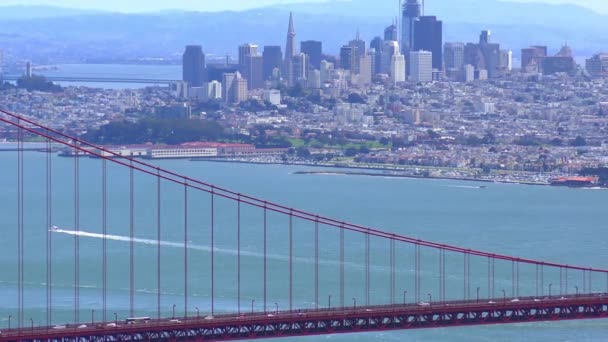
<point x="328" y="321"/>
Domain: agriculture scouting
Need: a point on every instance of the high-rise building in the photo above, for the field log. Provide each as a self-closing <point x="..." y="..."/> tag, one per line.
<point x="453" y="55"/>
<point x="377" y="43"/>
<point x="29" y="70"/>
<point x="253" y="71"/>
<point x="314" y="50"/>
<point x="506" y="60"/>
<point x="397" y="69"/>
<point x="234" y="88"/>
<point x="365" y="68"/>
<point x="532" y="56"/>
<point x="247" y="50"/>
<point x="272" y="59"/>
<point x="215" y="72"/>
<point x="300" y="65"/>
<point x="389" y="49"/>
<point x="484" y="37"/>
<point x="359" y="51"/>
<point x="193" y="66"/>
<point x="421" y="66"/>
<point x="314" y="79"/>
<point x="212" y="90"/>
<point x="428" y="36"/>
<point x="468" y="73"/>
<point x="347" y="57"/>
<point x="290" y="52"/>
<point x="597" y="65"/>
<point x="391" y="33"/>
<point x="326" y="70"/>
<point x="410" y="14"/>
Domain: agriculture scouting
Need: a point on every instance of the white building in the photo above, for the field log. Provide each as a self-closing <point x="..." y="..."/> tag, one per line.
<point x="468" y="73"/>
<point x="389" y="49"/>
<point x="212" y="90"/>
<point x="326" y="71"/>
<point x="273" y="96"/>
<point x="397" y="69"/>
<point x="421" y="66"/>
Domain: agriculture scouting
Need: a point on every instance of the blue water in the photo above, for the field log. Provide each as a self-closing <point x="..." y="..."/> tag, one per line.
<point x="545" y="223"/>
<point x="135" y="71"/>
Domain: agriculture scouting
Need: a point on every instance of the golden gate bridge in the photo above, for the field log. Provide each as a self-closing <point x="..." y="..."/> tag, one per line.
<point x="444" y="283"/>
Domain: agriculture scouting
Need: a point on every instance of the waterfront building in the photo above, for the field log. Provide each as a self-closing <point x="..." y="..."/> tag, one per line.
<point x="597" y="65"/>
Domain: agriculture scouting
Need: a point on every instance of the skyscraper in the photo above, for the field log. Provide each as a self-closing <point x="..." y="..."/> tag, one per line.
<point x="193" y="66"/>
<point x="428" y="36"/>
<point x="377" y="43"/>
<point x="348" y="54"/>
<point x="300" y="65"/>
<point x="411" y="13"/>
<point x="314" y="50"/>
<point x="389" y="49"/>
<point x="453" y="54"/>
<point x="272" y="59"/>
<point x="253" y="71"/>
<point x="290" y="51"/>
<point x="397" y="69"/>
<point x="421" y="66"/>
<point x="247" y="50"/>
<point x="359" y="52"/>
<point x="532" y="55"/>
<point x="391" y="33"/>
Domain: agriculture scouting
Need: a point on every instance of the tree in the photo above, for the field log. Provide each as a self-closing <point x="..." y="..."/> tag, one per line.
<point x="302" y="152"/>
<point x="364" y="149"/>
<point x="579" y="141"/>
<point x="355" y="98"/>
<point x="351" y="152"/>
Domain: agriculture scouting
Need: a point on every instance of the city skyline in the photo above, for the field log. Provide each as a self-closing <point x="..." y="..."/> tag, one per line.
<point x="136" y="6"/>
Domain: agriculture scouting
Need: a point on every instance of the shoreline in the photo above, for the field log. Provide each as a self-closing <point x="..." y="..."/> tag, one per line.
<point x="371" y="174"/>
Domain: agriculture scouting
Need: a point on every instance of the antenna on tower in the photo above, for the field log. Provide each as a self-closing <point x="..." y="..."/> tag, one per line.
<point x="422" y="7"/>
<point x="399" y="14"/>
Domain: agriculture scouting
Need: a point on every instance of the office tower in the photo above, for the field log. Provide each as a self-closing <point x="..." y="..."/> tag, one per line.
<point x="314" y="79"/>
<point x="484" y="37"/>
<point x="562" y="62"/>
<point x="365" y="68"/>
<point x="227" y="86"/>
<point x="300" y="66"/>
<point x="290" y="52"/>
<point x="326" y="70"/>
<point x="377" y="43"/>
<point x="247" y="50"/>
<point x="391" y="33"/>
<point x="239" y="89"/>
<point x="397" y="69"/>
<point x="272" y="59"/>
<point x="29" y="70"/>
<point x="410" y="14"/>
<point x="212" y="90"/>
<point x="193" y="66"/>
<point x="215" y="72"/>
<point x="234" y="88"/>
<point x="421" y="66"/>
<point x="389" y="49"/>
<point x="314" y="50"/>
<point x="253" y="71"/>
<point x="428" y="36"/>
<point x="359" y="51"/>
<point x="453" y="54"/>
<point x="347" y="57"/>
<point x="532" y="56"/>
<point x="506" y="60"/>
<point x="597" y="65"/>
<point x="468" y="73"/>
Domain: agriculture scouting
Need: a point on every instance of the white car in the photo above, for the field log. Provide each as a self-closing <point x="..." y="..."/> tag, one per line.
<point x="111" y="325"/>
<point x="82" y="326"/>
<point x="211" y="317"/>
<point x="424" y="304"/>
<point x="59" y="327"/>
<point x="536" y="300"/>
<point x="491" y="302"/>
<point x="515" y="300"/>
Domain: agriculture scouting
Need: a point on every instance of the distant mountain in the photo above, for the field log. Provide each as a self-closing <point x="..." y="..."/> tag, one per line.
<point x="36" y="12"/>
<point x="77" y="37"/>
